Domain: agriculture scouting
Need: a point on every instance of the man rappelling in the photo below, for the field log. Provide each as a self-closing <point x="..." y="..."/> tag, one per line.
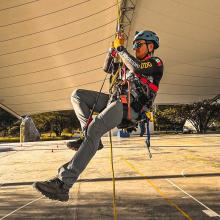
<point x="134" y="85"/>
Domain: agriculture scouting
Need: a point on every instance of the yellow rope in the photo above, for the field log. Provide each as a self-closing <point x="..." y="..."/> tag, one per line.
<point x="110" y="135"/>
<point x="119" y="12"/>
<point x="113" y="178"/>
<point x="113" y="81"/>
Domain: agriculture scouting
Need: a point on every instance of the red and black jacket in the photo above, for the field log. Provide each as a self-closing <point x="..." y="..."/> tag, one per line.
<point x="149" y="70"/>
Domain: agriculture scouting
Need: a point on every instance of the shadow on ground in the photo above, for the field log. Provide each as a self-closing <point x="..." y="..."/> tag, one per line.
<point x="95" y="206"/>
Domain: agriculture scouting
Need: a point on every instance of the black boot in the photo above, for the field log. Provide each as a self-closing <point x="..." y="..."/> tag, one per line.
<point x="53" y="189"/>
<point x="75" y="144"/>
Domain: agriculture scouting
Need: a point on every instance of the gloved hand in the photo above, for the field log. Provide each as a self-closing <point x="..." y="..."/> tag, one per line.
<point x="119" y="41"/>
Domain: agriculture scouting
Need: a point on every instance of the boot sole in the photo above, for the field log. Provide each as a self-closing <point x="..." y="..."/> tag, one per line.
<point x="59" y="197"/>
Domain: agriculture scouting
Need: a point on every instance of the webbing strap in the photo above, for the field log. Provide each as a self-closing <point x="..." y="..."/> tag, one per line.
<point x="147" y="82"/>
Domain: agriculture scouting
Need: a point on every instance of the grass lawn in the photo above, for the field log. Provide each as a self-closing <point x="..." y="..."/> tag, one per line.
<point x="9" y="139"/>
<point x="44" y="137"/>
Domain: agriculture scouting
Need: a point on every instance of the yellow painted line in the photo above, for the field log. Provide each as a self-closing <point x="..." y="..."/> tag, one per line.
<point x="162" y="194"/>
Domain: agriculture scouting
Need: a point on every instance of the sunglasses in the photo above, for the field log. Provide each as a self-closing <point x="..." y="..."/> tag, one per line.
<point x="137" y="45"/>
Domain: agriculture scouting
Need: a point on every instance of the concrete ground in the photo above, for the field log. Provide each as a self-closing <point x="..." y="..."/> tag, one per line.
<point x="181" y="181"/>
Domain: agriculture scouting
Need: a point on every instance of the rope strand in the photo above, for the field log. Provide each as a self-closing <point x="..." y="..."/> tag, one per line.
<point x="113" y="178"/>
<point x="110" y="135"/>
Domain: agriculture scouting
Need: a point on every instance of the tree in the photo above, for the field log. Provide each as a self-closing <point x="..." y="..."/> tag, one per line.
<point x="14" y="129"/>
<point x="168" y="117"/>
<point x="6" y="121"/>
<point x="56" y="121"/>
<point x="202" y="114"/>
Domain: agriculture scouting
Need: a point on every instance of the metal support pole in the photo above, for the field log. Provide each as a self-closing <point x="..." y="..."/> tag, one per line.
<point x="7" y="109"/>
<point x="127" y="12"/>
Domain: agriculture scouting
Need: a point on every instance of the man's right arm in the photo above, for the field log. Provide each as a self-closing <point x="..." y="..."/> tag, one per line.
<point x="109" y="65"/>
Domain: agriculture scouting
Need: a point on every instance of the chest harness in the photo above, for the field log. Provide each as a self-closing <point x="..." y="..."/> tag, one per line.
<point x="135" y="92"/>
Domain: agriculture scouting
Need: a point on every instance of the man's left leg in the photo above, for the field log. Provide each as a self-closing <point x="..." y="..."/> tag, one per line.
<point x="58" y="188"/>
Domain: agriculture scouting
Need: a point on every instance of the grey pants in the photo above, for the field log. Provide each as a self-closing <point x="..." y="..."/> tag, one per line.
<point x="109" y="117"/>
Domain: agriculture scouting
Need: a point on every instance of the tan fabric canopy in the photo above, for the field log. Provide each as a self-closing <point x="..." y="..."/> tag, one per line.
<point x="48" y="48"/>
